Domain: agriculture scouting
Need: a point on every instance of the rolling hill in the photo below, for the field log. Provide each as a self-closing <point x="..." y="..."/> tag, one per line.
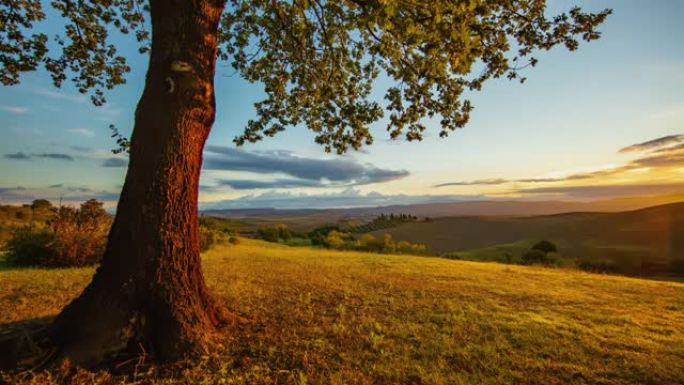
<point x="644" y="241"/>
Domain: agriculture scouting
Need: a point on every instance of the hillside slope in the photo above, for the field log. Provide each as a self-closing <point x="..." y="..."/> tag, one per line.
<point x="646" y="238"/>
<point x="325" y="317"/>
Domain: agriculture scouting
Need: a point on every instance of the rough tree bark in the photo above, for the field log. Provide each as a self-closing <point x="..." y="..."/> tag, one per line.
<point x="149" y="288"/>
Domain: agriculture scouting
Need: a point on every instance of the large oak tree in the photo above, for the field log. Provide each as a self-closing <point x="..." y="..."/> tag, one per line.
<point x="317" y="61"/>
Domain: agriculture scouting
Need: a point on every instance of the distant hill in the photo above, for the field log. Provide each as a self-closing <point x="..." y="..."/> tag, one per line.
<point x="309" y="218"/>
<point x="644" y="241"/>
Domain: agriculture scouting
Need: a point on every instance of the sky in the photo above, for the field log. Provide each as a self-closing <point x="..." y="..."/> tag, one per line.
<point x="602" y="122"/>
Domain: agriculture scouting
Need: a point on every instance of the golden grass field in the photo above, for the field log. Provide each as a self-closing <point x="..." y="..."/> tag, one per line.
<point x="327" y="317"/>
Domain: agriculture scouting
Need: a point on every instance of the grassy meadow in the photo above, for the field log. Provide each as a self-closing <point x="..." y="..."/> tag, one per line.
<point x="313" y="316"/>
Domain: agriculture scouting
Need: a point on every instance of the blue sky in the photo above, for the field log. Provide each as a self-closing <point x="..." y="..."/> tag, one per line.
<point x="558" y="136"/>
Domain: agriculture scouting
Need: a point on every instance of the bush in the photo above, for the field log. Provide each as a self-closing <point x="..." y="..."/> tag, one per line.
<point x="284" y="233"/>
<point x="208" y="238"/>
<point x="28" y="245"/>
<point x="73" y="237"/>
<point x="534" y="257"/>
<point x="599" y="266"/>
<point x="275" y="233"/>
<point x="545" y="247"/>
<point x="41" y="204"/>
<point x="269" y="234"/>
<point x="318" y="235"/>
<point x="222" y="225"/>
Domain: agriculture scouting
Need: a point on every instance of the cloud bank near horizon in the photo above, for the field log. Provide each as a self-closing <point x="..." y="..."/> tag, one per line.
<point x="660" y="153"/>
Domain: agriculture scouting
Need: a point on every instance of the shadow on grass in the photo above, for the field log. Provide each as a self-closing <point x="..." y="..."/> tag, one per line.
<point x="21" y="340"/>
<point x="6" y="265"/>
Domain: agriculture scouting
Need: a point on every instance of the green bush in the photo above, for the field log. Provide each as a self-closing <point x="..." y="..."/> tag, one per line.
<point x="28" y="245"/>
<point x="545" y="247"/>
<point x="599" y="266"/>
<point x="275" y="233"/>
<point x="534" y="257"/>
<point x="269" y="234"/>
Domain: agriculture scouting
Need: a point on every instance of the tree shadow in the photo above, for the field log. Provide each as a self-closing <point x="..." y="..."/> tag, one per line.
<point x="21" y="341"/>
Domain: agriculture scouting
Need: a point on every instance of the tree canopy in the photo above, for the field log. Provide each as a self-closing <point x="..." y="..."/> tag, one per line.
<point x="317" y="60"/>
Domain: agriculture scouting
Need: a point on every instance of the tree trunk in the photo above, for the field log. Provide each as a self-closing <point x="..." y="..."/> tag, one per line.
<point x="149" y="290"/>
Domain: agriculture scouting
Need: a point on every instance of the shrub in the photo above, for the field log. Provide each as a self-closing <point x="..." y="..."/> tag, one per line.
<point x="534" y="257"/>
<point x="545" y="247"/>
<point x="335" y="240"/>
<point x="41" y="204"/>
<point x="73" y="237"/>
<point x="234" y="240"/>
<point x="29" y="245"/>
<point x="367" y="242"/>
<point x="599" y="266"/>
<point x="284" y="232"/>
<point x="222" y="225"/>
<point x="269" y="234"/>
<point x="208" y="238"/>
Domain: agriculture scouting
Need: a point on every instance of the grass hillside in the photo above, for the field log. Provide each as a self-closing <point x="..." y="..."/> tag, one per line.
<point x="312" y="316"/>
<point x="639" y="241"/>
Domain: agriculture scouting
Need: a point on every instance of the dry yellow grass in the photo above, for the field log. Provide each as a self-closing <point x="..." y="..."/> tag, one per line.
<point x="327" y="317"/>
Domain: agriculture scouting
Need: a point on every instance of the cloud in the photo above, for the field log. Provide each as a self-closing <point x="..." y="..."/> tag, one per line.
<point x="605" y="191"/>
<point x="58" y="94"/>
<point x="18" y="156"/>
<point x="15" y="194"/>
<point x="115" y="162"/>
<point x="15" y="109"/>
<point x="82" y="131"/>
<point x="325" y="172"/>
<point x="485" y="182"/>
<point x="664" y="153"/>
<point x="248" y="184"/>
<point x="654" y="144"/>
<point x="344" y="199"/>
<point x="53" y="155"/>
<point x="80" y="148"/>
<point x="666" y="159"/>
<point x="474" y="182"/>
<point x="24" y="156"/>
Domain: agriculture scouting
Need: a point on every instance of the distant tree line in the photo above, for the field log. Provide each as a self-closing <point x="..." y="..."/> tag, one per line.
<point x="384" y="221"/>
<point x="333" y="237"/>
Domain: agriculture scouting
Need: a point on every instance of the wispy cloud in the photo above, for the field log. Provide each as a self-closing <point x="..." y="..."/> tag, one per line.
<point x="44" y="155"/>
<point x="305" y="171"/>
<point x="249" y="184"/>
<point x="82" y="131"/>
<point x="663" y="152"/>
<point x="477" y="182"/>
<point x="15" y="109"/>
<point x="578" y="176"/>
<point x="53" y="155"/>
<point x="59" y="94"/>
<point x="604" y="191"/>
<point x="654" y="144"/>
<point x="115" y="162"/>
<point x="18" y="156"/>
